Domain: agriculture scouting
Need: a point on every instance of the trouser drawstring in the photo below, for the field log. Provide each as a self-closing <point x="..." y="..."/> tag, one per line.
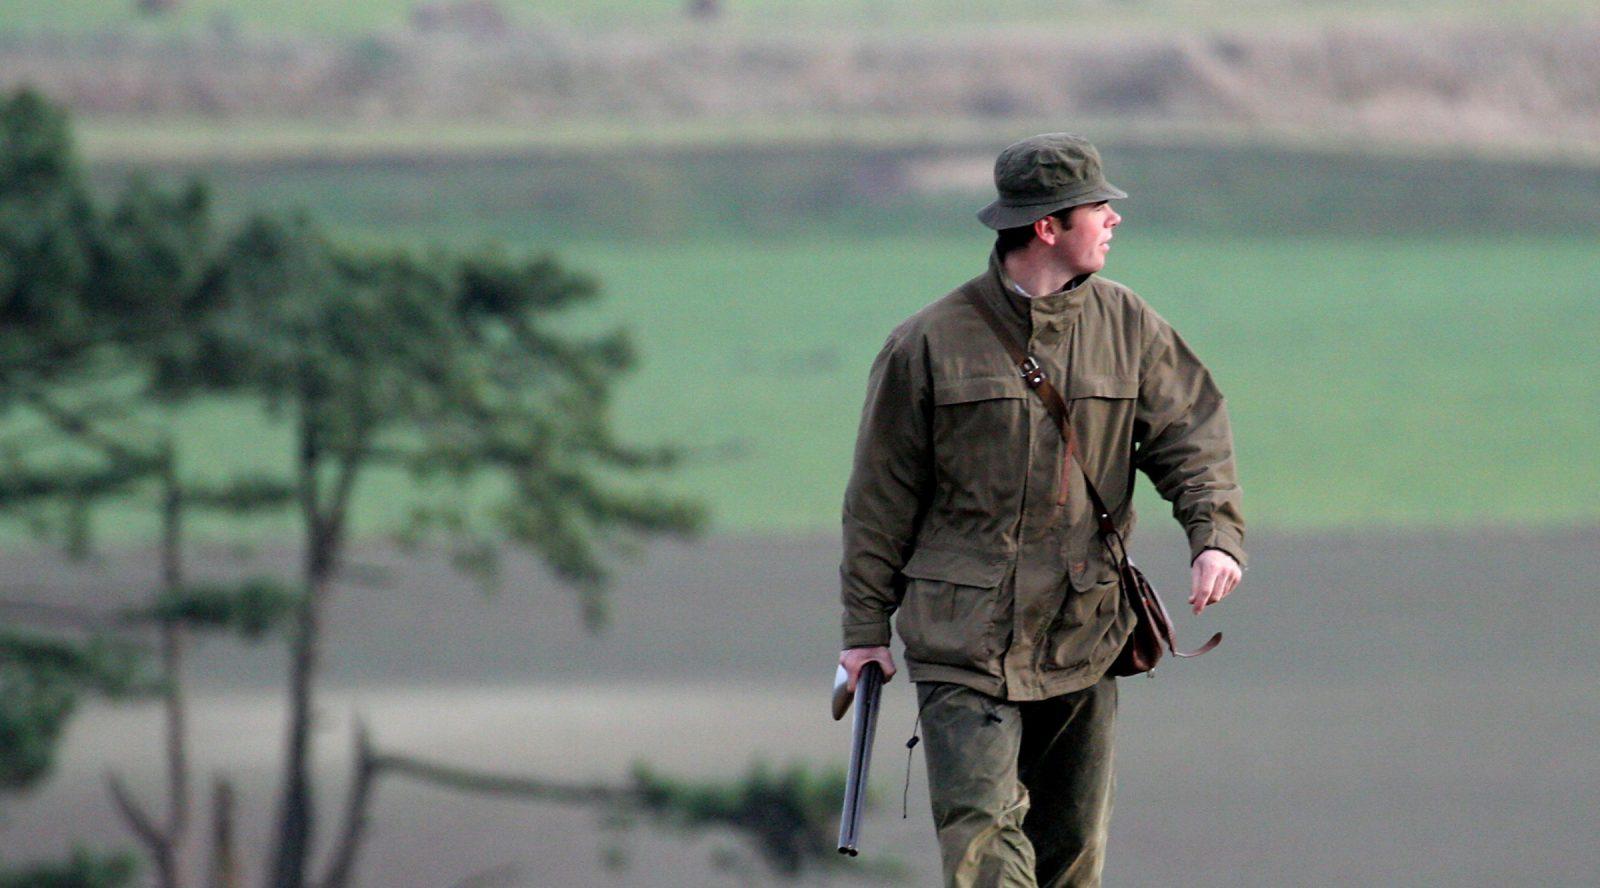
<point x="911" y="745"/>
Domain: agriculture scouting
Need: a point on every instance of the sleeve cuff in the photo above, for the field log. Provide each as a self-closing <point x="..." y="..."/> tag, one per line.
<point x="1203" y="537"/>
<point x="874" y="633"/>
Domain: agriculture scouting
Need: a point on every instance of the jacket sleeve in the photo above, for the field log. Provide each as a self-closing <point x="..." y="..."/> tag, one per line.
<point x="887" y="493"/>
<point x="1185" y="444"/>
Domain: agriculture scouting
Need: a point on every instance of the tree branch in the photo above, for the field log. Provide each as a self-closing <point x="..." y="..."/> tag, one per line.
<point x="468" y="780"/>
<point x="76" y="426"/>
<point x="349" y="467"/>
<point x="787" y="815"/>
<point x="140" y="822"/>
<point x="356" y="818"/>
<point x="371" y="764"/>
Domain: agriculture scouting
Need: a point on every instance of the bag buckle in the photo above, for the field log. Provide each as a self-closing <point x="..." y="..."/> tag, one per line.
<point x="1031" y="372"/>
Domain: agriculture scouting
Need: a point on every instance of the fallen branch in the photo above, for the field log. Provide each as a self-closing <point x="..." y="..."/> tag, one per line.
<point x="788" y="815"/>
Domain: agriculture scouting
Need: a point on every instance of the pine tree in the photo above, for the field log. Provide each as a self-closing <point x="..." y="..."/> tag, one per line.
<point x="452" y="367"/>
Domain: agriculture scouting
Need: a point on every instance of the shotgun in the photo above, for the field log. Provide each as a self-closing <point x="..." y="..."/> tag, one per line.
<point x="868" y="688"/>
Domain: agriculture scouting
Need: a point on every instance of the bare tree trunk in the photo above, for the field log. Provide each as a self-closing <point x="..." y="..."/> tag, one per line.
<point x="325" y="522"/>
<point x="296" y="811"/>
<point x="173" y="642"/>
<point x="166" y="844"/>
<point x="224" y="862"/>
<point x="166" y="850"/>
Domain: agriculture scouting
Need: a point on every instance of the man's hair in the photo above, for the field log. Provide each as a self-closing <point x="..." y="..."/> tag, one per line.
<point x="1008" y="239"/>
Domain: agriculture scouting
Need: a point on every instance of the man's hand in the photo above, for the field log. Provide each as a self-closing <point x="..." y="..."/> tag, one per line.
<point x="852" y="659"/>
<point x="1212" y="576"/>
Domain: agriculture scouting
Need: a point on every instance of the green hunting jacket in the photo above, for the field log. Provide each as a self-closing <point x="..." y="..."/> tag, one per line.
<point x="950" y="516"/>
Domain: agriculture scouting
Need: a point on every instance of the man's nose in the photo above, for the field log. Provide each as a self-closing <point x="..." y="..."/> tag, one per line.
<point x="1114" y="220"/>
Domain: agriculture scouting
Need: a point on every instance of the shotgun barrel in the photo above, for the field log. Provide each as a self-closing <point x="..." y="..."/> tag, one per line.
<point x="868" y="688"/>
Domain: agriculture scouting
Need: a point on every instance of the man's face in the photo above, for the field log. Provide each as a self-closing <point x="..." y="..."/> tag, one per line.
<point x="1082" y="244"/>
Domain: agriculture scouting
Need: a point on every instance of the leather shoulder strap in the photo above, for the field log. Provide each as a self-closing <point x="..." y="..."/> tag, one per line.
<point x="1033" y="374"/>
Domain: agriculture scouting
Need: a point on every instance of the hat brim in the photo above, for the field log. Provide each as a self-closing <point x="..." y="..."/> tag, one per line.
<point x="999" y="215"/>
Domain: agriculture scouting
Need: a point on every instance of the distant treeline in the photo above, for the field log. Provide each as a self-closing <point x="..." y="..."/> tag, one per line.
<point x="1461" y="83"/>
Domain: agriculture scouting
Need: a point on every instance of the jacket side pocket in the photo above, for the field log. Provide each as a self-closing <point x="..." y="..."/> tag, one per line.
<point x="948" y="613"/>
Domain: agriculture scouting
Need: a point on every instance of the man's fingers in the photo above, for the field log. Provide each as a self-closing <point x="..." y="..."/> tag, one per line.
<point x="852" y="670"/>
<point x="886" y="665"/>
<point x="1219" y="588"/>
<point x="854" y="659"/>
<point x="1213" y="577"/>
<point x="1230" y="582"/>
<point x="1205" y="577"/>
<point x="885" y="662"/>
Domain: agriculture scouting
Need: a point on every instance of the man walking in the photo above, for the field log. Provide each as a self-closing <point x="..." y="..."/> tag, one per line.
<point x="967" y="517"/>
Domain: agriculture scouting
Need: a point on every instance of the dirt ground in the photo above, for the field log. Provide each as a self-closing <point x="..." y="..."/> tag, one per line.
<point x="1385" y="709"/>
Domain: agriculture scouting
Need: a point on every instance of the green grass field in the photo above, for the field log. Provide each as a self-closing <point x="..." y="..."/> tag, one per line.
<point x="1394" y="350"/>
<point x="1432" y="382"/>
<point x="1443" y="382"/>
<point x="356" y="16"/>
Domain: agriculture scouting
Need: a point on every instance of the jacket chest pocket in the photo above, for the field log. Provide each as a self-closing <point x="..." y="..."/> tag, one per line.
<point x="980" y="440"/>
<point x="949" y="613"/>
<point x="1104" y="406"/>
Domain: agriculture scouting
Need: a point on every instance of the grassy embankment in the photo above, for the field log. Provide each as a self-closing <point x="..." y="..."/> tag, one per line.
<point x="937" y="16"/>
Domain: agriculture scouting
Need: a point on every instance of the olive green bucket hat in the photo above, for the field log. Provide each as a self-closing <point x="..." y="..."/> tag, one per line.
<point x="1042" y="174"/>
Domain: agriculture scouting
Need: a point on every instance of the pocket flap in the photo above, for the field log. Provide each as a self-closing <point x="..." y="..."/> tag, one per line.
<point x="1099" y="572"/>
<point x="1089" y="385"/>
<point x="956" y="567"/>
<point x="978" y="388"/>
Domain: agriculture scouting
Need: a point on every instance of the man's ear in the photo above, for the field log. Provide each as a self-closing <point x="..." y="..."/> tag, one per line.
<point x="1045" y="230"/>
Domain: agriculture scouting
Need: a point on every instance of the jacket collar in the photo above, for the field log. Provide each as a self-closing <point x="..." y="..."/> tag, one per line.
<point x="1052" y="311"/>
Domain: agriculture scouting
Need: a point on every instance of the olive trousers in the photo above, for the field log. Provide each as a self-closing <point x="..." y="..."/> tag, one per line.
<point x="1021" y="792"/>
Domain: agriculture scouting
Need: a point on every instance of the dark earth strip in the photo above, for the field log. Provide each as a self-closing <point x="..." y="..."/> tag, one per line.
<point x="1389" y="708"/>
<point x="1334" y="606"/>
